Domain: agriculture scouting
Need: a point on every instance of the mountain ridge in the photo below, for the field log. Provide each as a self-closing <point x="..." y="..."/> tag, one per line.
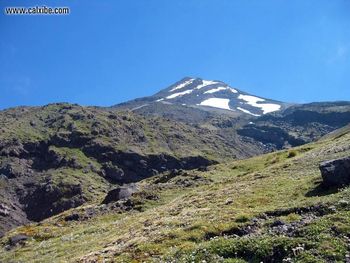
<point x="207" y="94"/>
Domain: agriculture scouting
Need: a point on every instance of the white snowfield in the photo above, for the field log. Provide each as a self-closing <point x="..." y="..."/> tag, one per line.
<point x="179" y="94"/>
<point x="186" y="83"/>
<point x="265" y="107"/>
<point x="219" y="89"/>
<point x="247" y="111"/>
<point x="216" y="103"/>
<point x="182" y="85"/>
<point x="206" y="83"/>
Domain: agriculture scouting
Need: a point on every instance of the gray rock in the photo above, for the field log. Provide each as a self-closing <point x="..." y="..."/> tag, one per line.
<point x="17" y="239"/>
<point x="343" y="203"/>
<point x="336" y="172"/>
<point x="278" y="223"/>
<point x="119" y="193"/>
<point x="228" y="201"/>
<point x="72" y="217"/>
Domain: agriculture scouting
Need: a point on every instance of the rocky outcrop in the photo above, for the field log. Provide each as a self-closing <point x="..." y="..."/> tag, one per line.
<point x="112" y="172"/>
<point x="48" y="199"/>
<point x="128" y="167"/>
<point x="15" y="167"/>
<point x="336" y="172"/>
<point x="28" y="170"/>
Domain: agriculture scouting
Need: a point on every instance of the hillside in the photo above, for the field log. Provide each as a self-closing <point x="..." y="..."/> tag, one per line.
<point x="270" y="208"/>
<point x="60" y="156"/>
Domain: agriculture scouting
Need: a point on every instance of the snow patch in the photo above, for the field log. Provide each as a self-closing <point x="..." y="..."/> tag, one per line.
<point x="216" y="103"/>
<point x="270" y="107"/>
<point x="206" y="83"/>
<point x="247" y="111"/>
<point x="265" y="107"/>
<point x="139" y="107"/>
<point x="179" y="94"/>
<point x="233" y="90"/>
<point x="160" y="99"/>
<point x="219" y="89"/>
<point x="250" y="99"/>
<point x="182" y="85"/>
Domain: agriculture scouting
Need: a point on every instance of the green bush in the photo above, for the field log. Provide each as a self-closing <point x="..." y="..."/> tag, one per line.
<point x="292" y="154"/>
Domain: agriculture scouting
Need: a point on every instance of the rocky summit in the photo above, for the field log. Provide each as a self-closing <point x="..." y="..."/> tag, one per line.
<point x="199" y="172"/>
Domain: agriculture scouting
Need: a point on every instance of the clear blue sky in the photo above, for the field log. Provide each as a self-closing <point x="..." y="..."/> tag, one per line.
<point x="106" y="52"/>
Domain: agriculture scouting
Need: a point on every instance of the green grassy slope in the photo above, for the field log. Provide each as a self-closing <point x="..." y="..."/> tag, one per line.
<point x="233" y="213"/>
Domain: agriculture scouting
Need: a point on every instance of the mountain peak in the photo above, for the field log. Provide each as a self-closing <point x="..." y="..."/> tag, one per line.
<point x="198" y="92"/>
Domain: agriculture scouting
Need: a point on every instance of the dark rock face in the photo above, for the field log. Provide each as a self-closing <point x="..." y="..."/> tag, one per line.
<point x="129" y="167"/>
<point x="119" y="193"/>
<point x="31" y="197"/>
<point x="112" y="172"/>
<point x="47" y="200"/>
<point x="270" y="135"/>
<point x="336" y="172"/>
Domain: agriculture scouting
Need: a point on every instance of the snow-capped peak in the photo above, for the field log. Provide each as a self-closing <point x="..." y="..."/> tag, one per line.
<point x="197" y="92"/>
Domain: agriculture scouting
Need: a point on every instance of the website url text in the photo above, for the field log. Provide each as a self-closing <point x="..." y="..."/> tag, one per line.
<point x="37" y="10"/>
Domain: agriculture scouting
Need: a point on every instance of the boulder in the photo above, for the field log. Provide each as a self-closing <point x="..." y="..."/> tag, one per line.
<point x="119" y="193"/>
<point x="17" y="239"/>
<point x="336" y="172"/>
<point x="72" y="217"/>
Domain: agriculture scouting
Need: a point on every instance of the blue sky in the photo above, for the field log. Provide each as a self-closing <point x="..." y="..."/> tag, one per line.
<point x="106" y="52"/>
